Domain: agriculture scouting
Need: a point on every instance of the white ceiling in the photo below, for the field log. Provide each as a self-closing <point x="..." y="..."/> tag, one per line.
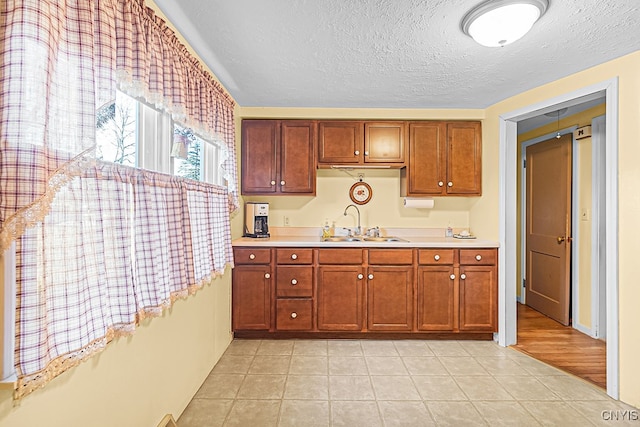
<point x="392" y="53"/>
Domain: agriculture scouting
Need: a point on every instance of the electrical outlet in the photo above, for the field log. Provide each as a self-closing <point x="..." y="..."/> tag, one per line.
<point x="286" y="221"/>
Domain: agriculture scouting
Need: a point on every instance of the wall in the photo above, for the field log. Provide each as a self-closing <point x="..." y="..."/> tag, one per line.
<point x="627" y="70"/>
<point x="136" y="380"/>
<point x="581" y="228"/>
<point x="386" y="206"/>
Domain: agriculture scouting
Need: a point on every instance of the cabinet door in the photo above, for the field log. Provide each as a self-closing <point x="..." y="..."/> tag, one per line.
<point x="259" y="156"/>
<point x="390" y="298"/>
<point x="464" y="150"/>
<point x="340" y="142"/>
<point x="251" y="297"/>
<point x="426" y="169"/>
<point x="384" y="142"/>
<point x="340" y="298"/>
<point x="437" y="298"/>
<point x="297" y="157"/>
<point x="478" y="298"/>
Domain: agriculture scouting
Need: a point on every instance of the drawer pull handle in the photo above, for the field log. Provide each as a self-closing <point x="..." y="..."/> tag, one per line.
<point x="478" y="257"/>
<point x="370" y="276"/>
<point x="437" y="257"/>
<point x="267" y="276"/>
<point x="450" y="184"/>
<point x="294" y="282"/>
<point x="273" y="183"/>
<point x="360" y="276"/>
<point x="282" y="183"/>
<point x="463" y="276"/>
<point x="294" y="315"/>
<point x="440" y="183"/>
<point x="452" y="277"/>
<point x="294" y="256"/>
<point x="357" y="153"/>
<point x="252" y="256"/>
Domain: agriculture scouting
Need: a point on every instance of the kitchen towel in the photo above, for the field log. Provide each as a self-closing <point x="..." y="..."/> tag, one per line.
<point x="419" y="203"/>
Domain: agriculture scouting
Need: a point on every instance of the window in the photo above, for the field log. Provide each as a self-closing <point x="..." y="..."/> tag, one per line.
<point x="132" y="133"/>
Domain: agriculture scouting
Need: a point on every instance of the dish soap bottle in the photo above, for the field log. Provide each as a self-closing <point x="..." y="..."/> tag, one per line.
<point x="326" y="230"/>
<point x="449" y="232"/>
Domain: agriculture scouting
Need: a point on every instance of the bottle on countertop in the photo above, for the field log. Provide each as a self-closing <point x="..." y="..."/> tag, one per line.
<point x="449" y="232"/>
<point x="326" y="230"/>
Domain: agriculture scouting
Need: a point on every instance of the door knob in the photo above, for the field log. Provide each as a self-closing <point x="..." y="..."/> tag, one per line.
<point x="561" y="239"/>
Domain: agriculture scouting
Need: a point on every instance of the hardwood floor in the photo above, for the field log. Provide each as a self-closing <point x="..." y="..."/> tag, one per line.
<point x="561" y="346"/>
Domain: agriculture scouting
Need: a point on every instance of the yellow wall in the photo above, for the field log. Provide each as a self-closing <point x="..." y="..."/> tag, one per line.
<point x="332" y="193"/>
<point x="583" y="157"/>
<point x="627" y="70"/>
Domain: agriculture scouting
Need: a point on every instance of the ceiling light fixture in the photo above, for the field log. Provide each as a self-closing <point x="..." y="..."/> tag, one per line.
<point x="560" y="112"/>
<point x="496" y="23"/>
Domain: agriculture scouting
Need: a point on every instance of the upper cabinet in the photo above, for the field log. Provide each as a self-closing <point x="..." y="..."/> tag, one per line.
<point x="445" y="158"/>
<point x="278" y="157"/>
<point x="361" y="143"/>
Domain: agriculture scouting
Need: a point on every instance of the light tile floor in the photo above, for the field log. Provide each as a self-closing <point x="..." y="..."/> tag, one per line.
<point x="394" y="383"/>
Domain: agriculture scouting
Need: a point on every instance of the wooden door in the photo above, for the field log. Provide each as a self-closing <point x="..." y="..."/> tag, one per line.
<point x="426" y="168"/>
<point x="259" y="156"/>
<point x="251" y="297"/>
<point x="340" y="298"/>
<point x="478" y="298"/>
<point x="437" y="298"/>
<point x="464" y="158"/>
<point x="384" y="142"/>
<point x="548" y="225"/>
<point x="340" y="142"/>
<point x="390" y="298"/>
<point x="297" y="157"/>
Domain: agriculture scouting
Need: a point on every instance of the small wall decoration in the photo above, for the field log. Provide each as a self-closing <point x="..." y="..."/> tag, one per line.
<point x="360" y="193"/>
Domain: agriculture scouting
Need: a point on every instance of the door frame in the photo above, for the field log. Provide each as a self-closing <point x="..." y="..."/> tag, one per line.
<point x="507" y="316"/>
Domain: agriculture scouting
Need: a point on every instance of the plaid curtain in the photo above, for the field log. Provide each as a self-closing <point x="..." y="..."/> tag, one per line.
<point x="99" y="246"/>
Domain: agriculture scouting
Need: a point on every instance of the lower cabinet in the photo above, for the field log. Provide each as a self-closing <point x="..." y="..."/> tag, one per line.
<point x="356" y="290"/>
<point x="340" y="297"/>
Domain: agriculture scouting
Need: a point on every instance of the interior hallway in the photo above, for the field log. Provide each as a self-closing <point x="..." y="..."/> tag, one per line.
<point x="561" y="346"/>
<point x="391" y="383"/>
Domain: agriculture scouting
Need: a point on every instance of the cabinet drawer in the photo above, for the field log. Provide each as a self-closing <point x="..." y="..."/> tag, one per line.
<point x="391" y="257"/>
<point x="294" y="256"/>
<point x="248" y="256"/>
<point x="294" y="315"/>
<point x="294" y="281"/>
<point x="478" y="256"/>
<point x="340" y="256"/>
<point x="436" y="256"/>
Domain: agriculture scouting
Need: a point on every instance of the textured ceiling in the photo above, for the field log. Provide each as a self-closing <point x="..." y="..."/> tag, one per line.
<point x="392" y="53"/>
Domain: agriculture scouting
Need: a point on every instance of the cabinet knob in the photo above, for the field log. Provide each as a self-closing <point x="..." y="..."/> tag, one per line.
<point x="294" y="315"/>
<point x="252" y="256"/>
<point x="370" y="276"/>
<point x="294" y="256"/>
<point x="463" y="276"/>
<point x="282" y="182"/>
<point x="360" y="276"/>
<point x="450" y="184"/>
<point x="366" y="153"/>
<point x="478" y="257"/>
<point x="436" y="257"/>
<point x="452" y="277"/>
<point x="273" y="183"/>
<point x="357" y="153"/>
<point x="440" y="183"/>
<point x="267" y="276"/>
<point x="294" y="282"/>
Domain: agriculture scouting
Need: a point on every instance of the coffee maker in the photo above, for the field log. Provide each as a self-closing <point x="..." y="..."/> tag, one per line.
<point x="256" y="219"/>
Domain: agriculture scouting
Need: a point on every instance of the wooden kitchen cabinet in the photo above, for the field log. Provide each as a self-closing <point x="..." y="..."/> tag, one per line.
<point x="251" y="287"/>
<point x="361" y="143"/>
<point x="340" y="297"/>
<point x="437" y="290"/>
<point x="278" y="157"/>
<point x="478" y="290"/>
<point x="390" y="290"/>
<point x="445" y="158"/>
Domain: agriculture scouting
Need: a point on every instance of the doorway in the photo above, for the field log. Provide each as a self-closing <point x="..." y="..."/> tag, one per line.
<point x="508" y="198"/>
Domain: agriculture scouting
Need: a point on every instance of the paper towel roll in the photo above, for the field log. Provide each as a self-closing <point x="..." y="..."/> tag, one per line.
<point x="419" y="203"/>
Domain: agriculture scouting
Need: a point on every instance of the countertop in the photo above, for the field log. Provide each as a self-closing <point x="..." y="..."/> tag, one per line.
<point x="414" y="238"/>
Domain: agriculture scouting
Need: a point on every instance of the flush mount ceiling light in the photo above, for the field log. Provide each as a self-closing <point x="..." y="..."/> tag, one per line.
<point x="497" y="23"/>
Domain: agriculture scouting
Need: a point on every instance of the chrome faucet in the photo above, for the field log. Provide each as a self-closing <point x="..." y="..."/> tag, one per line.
<point x="359" y="229"/>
